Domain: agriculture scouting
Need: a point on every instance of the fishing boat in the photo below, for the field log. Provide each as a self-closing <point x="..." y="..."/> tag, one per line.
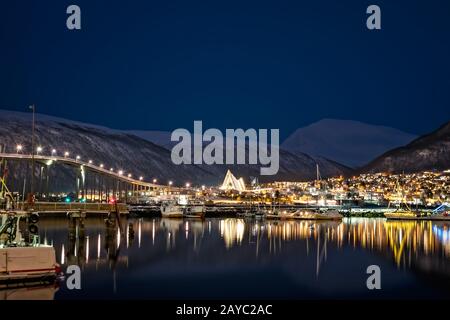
<point x="171" y="210"/>
<point x="21" y="261"/>
<point x="195" y="211"/>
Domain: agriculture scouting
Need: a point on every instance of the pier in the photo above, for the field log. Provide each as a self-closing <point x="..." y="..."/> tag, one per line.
<point x="62" y="208"/>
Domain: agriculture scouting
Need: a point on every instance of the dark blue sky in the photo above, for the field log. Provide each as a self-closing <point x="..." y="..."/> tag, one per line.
<point x="261" y="64"/>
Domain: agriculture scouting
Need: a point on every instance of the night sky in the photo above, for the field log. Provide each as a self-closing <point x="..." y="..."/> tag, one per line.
<point x="160" y="65"/>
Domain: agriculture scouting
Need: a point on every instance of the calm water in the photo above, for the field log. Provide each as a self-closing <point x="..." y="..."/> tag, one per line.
<point x="237" y="258"/>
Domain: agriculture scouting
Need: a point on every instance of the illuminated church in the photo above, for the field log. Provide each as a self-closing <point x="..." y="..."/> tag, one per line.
<point x="231" y="183"/>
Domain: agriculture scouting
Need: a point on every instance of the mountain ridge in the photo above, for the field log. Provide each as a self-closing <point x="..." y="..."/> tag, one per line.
<point x="428" y="152"/>
<point x="352" y="143"/>
<point x="122" y="150"/>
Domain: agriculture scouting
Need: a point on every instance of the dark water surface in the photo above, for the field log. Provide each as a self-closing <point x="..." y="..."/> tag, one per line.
<point x="237" y="258"/>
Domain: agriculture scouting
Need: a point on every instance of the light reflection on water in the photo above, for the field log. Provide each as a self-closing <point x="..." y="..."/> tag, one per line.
<point x="163" y="258"/>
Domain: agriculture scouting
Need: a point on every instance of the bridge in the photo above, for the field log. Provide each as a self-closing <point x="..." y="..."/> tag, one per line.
<point x="48" y="160"/>
<point x="103" y="184"/>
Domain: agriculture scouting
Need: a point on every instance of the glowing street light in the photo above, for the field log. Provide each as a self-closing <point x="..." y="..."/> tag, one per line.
<point x="53" y="152"/>
<point x="78" y="158"/>
<point x="39" y="150"/>
<point x="19" y="148"/>
<point x="101" y="165"/>
<point x="66" y="154"/>
<point x="141" y="178"/>
<point x="188" y="185"/>
<point x="154" y="180"/>
<point x="90" y="161"/>
<point x="170" y="183"/>
<point x="129" y="175"/>
<point x="111" y="169"/>
<point x="120" y="172"/>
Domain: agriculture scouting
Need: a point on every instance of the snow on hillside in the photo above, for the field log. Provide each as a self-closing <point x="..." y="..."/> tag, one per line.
<point x="348" y="142"/>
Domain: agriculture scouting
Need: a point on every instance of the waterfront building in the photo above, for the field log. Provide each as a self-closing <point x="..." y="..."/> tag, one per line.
<point x="232" y="183"/>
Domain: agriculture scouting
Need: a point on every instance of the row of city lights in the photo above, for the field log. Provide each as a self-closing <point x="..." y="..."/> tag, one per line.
<point x="39" y="149"/>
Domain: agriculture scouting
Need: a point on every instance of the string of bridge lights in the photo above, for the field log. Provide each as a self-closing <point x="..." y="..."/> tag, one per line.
<point x="39" y="150"/>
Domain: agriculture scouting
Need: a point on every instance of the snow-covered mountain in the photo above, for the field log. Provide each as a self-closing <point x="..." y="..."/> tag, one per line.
<point x="352" y="143"/>
<point x="132" y="154"/>
<point x="160" y="138"/>
<point x="429" y="152"/>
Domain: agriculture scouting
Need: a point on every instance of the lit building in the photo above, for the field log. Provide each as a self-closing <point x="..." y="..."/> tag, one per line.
<point x="231" y="183"/>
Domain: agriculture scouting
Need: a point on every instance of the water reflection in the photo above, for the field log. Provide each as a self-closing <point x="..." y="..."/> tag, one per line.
<point x="400" y="238"/>
<point x="37" y="292"/>
<point x="165" y="245"/>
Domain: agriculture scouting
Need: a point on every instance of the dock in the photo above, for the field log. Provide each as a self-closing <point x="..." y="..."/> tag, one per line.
<point x="62" y="208"/>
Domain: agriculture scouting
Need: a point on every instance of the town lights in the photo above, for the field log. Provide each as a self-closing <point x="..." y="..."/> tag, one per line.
<point x="141" y="178"/>
<point x="90" y="161"/>
<point x="120" y="172"/>
<point x="53" y="152"/>
<point x="19" y="148"/>
<point x="129" y="175"/>
<point x="66" y="154"/>
<point x="78" y="158"/>
<point x="39" y="150"/>
<point x="154" y="180"/>
<point x="188" y="185"/>
<point x="101" y="165"/>
<point x="111" y="169"/>
<point x="170" y="183"/>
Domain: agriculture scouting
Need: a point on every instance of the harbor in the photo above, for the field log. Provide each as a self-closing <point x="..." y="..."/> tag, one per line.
<point x="297" y="254"/>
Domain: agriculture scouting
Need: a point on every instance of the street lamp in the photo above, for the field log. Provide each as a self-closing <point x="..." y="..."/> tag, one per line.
<point x="170" y="183"/>
<point x="141" y="178"/>
<point x="154" y="180"/>
<point x="66" y="154"/>
<point x="19" y="148"/>
<point x="111" y="169"/>
<point x="90" y="161"/>
<point x="78" y="158"/>
<point x="101" y="165"/>
<point x="129" y="175"/>
<point x="39" y="150"/>
<point x="188" y="185"/>
<point x="120" y="172"/>
<point x="53" y="152"/>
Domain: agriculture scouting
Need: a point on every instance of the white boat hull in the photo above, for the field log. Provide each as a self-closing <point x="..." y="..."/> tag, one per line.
<point x="18" y="263"/>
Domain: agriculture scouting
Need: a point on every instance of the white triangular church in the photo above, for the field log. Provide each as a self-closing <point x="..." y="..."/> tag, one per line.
<point x="231" y="183"/>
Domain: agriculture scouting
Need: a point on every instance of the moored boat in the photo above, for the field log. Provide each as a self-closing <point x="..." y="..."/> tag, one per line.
<point x="194" y="211"/>
<point x="175" y="210"/>
<point x="171" y="210"/>
<point x="20" y="260"/>
<point x="27" y="263"/>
